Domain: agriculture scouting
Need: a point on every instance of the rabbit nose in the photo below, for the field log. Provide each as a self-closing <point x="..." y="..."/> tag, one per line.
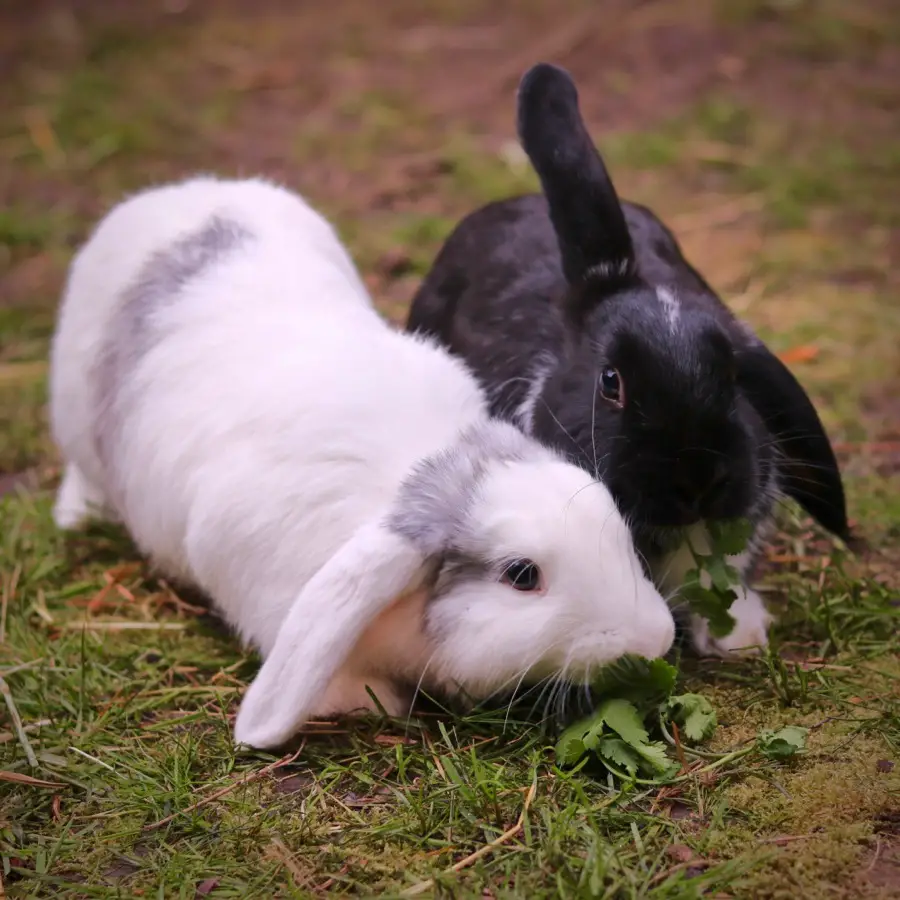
<point x="699" y="489"/>
<point x="716" y="485"/>
<point x="688" y="494"/>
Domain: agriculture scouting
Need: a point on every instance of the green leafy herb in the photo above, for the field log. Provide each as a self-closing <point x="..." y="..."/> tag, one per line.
<point x="729" y="537"/>
<point x="710" y="603"/>
<point x="782" y="744"/>
<point x="615" y="733"/>
<point x="637" y="679"/>
<point x="709" y="588"/>
<point x="695" y="715"/>
<point x="638" y="702"/>
<point x="635" y="691"/>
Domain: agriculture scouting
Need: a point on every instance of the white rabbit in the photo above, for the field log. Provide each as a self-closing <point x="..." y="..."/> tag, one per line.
<point x="223" y="386"/>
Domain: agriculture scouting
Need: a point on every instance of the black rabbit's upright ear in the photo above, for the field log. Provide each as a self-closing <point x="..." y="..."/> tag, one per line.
<point x="584" y="207"/>
<point x="809" y="469"/>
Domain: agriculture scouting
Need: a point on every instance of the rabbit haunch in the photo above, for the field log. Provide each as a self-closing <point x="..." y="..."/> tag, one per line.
<point x="222" y="385"/>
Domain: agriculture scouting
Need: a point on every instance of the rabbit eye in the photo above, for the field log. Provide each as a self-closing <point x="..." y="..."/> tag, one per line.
<point x="611" y="388"/>
<point x="523" y="575"/>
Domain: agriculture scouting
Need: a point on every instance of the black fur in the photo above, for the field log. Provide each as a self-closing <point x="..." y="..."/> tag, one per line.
<point x="551" y="289"/>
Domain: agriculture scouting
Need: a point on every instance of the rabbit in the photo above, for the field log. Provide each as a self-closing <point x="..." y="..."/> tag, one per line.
<point x="589" y="329"/>
<point x="222" y="385"/>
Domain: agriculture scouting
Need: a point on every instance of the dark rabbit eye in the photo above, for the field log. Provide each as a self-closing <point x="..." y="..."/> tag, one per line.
<point x="523" y="575"/>
<point x="611" y="388"/>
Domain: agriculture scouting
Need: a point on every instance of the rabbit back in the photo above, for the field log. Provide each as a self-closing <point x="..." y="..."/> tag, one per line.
<point x="240" y="361"/>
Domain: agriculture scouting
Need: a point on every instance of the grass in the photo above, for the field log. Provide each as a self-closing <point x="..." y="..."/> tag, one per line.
<point x="126" y="691"/>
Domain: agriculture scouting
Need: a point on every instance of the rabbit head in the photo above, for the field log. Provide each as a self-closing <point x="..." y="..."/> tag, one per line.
<point x="529" y="572"/>
<point x="538" y="572"/>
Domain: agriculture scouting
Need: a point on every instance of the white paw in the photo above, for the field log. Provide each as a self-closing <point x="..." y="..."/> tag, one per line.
<point x="749" y="636"/>
<point x="77" y="502"/>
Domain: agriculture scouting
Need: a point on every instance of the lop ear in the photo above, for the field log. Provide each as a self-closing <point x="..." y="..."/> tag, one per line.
<point x="810" y="471"/>
<point x="585" y="210"/>
<point x="324" y="623"/>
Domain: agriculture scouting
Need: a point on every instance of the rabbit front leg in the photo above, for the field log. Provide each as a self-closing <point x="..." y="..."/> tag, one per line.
<point x="750" y="633"/>
<point x="78" y="501"/>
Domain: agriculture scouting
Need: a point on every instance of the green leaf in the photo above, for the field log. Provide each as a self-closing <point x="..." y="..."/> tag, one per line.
<point x="622" y="717"/>
<point x="730" y="537"/>
<point x="782" y="744"/>
<point x="644" y="682"/>
<point x="713" y="605"/>
<point x="722" y="575"/>
<point x="655" y="754"/>
<point x="633" y="688"/>
<point x="695" y="714"/>
<point x="620" y="754"/>
<point x="570" y="747"/>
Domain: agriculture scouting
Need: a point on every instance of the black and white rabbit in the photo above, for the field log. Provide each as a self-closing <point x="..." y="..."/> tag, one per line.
<point x="222" y="385"/>
<point x="589" y="329"/>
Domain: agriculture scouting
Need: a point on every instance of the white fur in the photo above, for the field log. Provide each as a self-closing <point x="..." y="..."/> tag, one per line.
<point x="264" y="438"/>
<point x="525" y="412"/>
<point x="670" y="306"/>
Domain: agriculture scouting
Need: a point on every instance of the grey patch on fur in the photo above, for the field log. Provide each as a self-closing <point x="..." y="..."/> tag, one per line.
<point x="434" y="501"/>
<point x="132" y="332"/>
<point x="458" y="568"/>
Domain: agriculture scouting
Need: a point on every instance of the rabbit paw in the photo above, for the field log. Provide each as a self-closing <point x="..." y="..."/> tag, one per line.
<point x="77" y="501"/>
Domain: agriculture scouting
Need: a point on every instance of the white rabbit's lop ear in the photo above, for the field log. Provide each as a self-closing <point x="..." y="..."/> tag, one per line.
<point x="323" y="625"/>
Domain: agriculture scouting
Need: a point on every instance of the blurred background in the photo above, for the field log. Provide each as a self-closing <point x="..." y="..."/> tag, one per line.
<point x="766" y="132"/>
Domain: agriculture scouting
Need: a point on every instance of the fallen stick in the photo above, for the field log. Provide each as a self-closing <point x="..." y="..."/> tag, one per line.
<point x="247" y="779"/>
<point x="17" y="724"/>
<point x="507" y="835"/>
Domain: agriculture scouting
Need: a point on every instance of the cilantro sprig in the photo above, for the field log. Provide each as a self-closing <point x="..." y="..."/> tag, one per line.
<point x="630" y="732"/>
<point x="709" y="588"/>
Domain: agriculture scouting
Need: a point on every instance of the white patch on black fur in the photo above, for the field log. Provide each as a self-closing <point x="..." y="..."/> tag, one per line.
<point x="604" y="271"/>
<point x="671" y="306"/>
<point x="524" y="414"/>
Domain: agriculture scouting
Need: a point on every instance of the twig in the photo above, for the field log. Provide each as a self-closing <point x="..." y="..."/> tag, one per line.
<point x="679" y="750"/>
<point x="787" y="838"/>
<point x="123" y="626"/>
<point x="331" y="882"/>
<point x="20" y="778"/>
<point x="6" y="736"/>
<point x="507" y="835"/>
<point x="875" y="857"/>
<point x="21" y="667"/>
<point x="43" y="137"/>
<point x="690" y="864"/>
<point x="9" y="593"/>
<point x="17" y="723"/>
<point x="247" y="779"/>
<point x="286" y="858"/>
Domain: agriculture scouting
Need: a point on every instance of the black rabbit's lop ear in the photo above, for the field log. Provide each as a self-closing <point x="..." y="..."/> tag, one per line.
<point x="809" y="470"/>
<point x="584" y="207"/>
